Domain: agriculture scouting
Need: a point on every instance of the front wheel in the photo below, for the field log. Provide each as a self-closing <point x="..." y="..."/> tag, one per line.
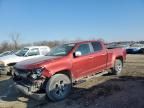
<point x="118" y="66"/>
<point x="58" y="87"/>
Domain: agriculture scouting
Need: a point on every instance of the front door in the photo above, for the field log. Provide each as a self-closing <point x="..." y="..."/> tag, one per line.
<point x="84" y="63"/>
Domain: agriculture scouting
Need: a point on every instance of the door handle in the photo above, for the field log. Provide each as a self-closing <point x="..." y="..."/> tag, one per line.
<point x="103" y="54"/>
<point x="90" y="57"/>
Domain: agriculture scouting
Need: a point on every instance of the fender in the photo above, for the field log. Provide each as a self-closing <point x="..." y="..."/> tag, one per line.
<point x="58" y="67"/>
<point x="116" y="57"/>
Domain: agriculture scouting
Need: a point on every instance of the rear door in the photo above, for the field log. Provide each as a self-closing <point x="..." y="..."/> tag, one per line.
<point x="83" y="64"/>
<point x="100" y="56"/>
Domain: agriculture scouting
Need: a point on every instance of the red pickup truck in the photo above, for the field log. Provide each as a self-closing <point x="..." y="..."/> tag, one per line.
<point x="55" y="73"/>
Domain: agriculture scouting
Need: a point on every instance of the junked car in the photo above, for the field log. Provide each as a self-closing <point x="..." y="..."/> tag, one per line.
<point x="7" y="62"/>
<point x="55" y="73"/>
<point x="135" y="48"/>
<point x="7" y="53"/>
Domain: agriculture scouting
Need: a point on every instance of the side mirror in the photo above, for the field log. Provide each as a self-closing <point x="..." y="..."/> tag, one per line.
<point x="77" y="54"/>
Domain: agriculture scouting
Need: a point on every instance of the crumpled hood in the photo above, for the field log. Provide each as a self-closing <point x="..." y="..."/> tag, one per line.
<point x="34" y="62"/>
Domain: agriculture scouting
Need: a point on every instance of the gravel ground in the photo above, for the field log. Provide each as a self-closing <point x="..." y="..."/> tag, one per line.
<point x="108" y="91"/>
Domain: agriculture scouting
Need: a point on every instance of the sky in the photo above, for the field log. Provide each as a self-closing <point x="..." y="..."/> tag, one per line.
<point x="38" y="20"/>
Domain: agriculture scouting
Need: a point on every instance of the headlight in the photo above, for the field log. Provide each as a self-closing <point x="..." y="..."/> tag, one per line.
<point x="2" y="63"/>
<point x="37" y="73"/>
<point x="34" y="76"/>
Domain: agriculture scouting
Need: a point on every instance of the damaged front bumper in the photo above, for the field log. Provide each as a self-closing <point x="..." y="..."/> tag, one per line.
<point x="34" y="90"/>
<point x="25" y="90"/>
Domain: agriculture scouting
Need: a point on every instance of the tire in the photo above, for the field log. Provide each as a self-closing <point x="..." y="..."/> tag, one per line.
<point x="58" y="87"/>
<point x="118" y="66"/>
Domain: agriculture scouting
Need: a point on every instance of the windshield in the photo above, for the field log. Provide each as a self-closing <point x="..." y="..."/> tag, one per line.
<point x="61" y="50"/>
<point x="22" y="52"/>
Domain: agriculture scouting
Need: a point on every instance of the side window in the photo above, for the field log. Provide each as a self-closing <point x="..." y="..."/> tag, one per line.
<point x="97" y="46"/>
<point x="44" y="51"/>
<point x="33" y="52"/>
<point x="84" y="49"/>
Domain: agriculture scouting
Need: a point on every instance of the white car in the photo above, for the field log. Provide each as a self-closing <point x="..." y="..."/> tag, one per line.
<point x="6" y="53"/>
<point x="7" y="62"/>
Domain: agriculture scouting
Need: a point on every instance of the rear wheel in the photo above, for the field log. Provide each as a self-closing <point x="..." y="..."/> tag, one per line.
<point x="118" y="66"/>
<point x="58" y="87"/>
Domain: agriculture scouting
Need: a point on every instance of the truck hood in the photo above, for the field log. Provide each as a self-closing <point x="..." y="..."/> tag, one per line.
<point x="35" y="62"/>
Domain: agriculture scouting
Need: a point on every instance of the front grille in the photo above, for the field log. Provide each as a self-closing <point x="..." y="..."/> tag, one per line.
<point x="2" y="68"/>
<point x="1" y="65"/>
<point x="23" y="78"/>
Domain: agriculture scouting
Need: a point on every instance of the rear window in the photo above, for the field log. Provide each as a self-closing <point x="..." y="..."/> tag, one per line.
<point x="97" y="46"/>
<point x="33" y="52"/>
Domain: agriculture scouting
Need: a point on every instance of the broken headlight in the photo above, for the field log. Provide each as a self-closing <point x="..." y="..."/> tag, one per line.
<point x="37" y="72"/>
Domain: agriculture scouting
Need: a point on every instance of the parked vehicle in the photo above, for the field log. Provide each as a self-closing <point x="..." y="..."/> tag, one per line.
<point x="7" y="62"/>
<point x="7" y="53"/>
<point x="142" y="51"/>
<point x="125" y="46"/>
<point x="54" y="73"/>
<point x="135" y="48"/>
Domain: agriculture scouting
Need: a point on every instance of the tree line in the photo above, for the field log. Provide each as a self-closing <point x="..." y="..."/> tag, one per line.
<point x="14" y="43"/>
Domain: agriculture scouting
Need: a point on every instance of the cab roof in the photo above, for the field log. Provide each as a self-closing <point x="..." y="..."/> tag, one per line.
<point x="81" y="42"/>
<point x="30" y="47"/>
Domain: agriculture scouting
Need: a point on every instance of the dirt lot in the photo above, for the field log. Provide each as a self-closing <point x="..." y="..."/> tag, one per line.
<point x="125" y="91"/>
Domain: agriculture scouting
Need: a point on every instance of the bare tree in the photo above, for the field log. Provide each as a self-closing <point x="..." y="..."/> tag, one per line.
<point x="4" y="46"/>
<point x="15" y="40"/>
<point x="48" y="43"/>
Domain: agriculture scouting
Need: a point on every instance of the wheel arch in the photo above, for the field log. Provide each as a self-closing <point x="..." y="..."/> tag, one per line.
<point x="120" y="58"/>
<point x="66" y="72"/>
